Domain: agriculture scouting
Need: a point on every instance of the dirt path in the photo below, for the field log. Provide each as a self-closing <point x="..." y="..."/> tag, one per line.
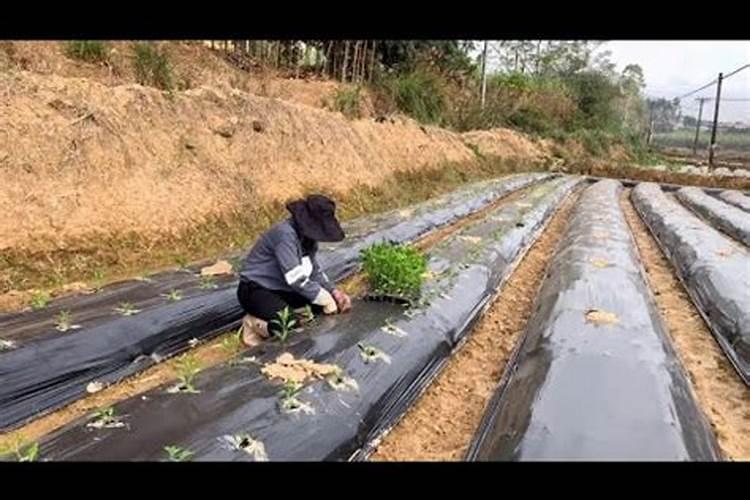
<point x="441" y="423"/>
<point x="215" y="351"/>
<point x="723" y="397"/>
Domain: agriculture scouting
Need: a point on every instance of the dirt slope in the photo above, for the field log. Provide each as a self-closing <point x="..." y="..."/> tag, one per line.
<point x="193" y="65"/>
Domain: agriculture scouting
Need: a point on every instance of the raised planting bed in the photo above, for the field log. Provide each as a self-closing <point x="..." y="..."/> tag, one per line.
<point x="713" y="267"/>
<point x="595" y="376"/>
<point x="730" y="219"/>
<point x="370" y="365"/>
<point x="40" y="375"/>
<point x="736" y="198"/>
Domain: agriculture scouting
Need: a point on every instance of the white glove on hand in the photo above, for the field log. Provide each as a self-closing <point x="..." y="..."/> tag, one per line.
<point x="326" y="300"/>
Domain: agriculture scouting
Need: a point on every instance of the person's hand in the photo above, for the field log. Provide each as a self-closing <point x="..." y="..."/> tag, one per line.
<point x="343" y="301"/>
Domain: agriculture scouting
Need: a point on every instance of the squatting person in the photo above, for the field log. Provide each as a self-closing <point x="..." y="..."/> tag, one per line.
<point x="281" y="269"/>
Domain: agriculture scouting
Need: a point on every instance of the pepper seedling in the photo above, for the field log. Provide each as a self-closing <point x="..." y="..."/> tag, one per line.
<point x="39" y="300"/>
<point x="370" y="353"/>
<point x="63" y="321"/>
<point x="177" y="454"/>
<point x="207" y="283"/>
<point x="232" y="342"/>
<point x="173" y="295"/>
<point x="187" y="368"/>
<point x="105" y="418"/>
<point x="289" y="402"/>
<point x="393" y="330"/>
<point x="127" y="309"/>
<point x="23" y="452"/>
<point x="286" y="322"/>
<point x="307" y="315"/>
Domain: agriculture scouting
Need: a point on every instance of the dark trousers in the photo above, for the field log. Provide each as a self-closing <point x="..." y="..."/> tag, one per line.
<point x="266" y="304"/>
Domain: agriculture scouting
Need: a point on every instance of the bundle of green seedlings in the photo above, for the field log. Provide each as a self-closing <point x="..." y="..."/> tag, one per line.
<point x="394" y="270"/>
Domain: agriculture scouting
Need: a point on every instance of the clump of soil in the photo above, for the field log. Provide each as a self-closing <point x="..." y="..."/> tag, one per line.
<point x="219" y="268"/>
<point x="288" y="369"/>
<point x="600" y="317"/>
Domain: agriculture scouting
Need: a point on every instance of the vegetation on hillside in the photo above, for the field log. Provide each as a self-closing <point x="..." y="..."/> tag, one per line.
<point x="557" y="89"/>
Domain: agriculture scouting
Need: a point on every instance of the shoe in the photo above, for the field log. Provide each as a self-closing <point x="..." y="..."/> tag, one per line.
<point x="254" y="331"/>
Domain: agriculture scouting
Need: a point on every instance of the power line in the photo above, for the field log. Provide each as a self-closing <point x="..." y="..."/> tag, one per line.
<point x="715" y="80"/>
<point x="726" y="99"/>
<point x="737" y="71"/>
<point x="698" y="90"/>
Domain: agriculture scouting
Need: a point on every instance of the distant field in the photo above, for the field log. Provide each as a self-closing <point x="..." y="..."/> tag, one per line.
<point x="728" y="142"/>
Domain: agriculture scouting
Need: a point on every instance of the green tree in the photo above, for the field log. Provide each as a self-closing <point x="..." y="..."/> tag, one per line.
<point x="664" y="113"/>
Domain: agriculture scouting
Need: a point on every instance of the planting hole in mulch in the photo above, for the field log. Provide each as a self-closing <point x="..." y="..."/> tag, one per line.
<point x="246" y="443"/>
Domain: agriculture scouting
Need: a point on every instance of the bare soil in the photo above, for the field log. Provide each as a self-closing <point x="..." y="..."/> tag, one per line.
<point x="723" y="397"/>
<point x="440" y="425"/>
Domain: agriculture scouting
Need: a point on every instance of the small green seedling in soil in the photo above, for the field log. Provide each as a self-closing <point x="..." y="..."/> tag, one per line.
<point x="173" y="295"/>
<point x="177" y="454"/>
<point x="307" y="315"/>
<point x="394" y="269"/>
<point x="187" y="368"/>
<point x="105" y="418"/>
<point x="232" y="342"/>
<point x="182" y="262"/>
<point x="289" y="402"/>
<point x="207" y="283"/>
<point x="246" y="443"/>
<point x="39" y="300"/>
<point x="290" y="389"/>
<point x="286" y="322"/>
<point x="23" y="452"/>
<point x="393" y="330"/>
<point x="127" y="309"/>
<point x="370" y="353"/>
<point x="341" y="382"/>
<point x="98" y="279"/>
<point x="62" y="321"/>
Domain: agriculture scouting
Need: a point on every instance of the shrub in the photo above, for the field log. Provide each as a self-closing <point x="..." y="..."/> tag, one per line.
<point x="347" y="101"/>
<point x="87" y="50"/>
<point x="418" y="94"/>
<point x="152" y="66"/>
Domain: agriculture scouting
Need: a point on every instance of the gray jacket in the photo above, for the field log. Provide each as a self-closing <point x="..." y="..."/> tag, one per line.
<point x="278" y="261"/>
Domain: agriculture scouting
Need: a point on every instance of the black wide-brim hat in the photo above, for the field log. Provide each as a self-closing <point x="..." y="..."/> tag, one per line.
<point x="315" y="218"/>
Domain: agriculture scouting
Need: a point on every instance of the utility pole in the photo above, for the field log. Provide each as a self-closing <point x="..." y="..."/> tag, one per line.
<point x="701" y="100"/>
<point x="716" y="121"/>
<point x="484" y="73"/>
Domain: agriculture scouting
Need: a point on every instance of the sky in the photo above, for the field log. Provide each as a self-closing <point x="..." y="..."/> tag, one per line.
<point x="673" y="68"/>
